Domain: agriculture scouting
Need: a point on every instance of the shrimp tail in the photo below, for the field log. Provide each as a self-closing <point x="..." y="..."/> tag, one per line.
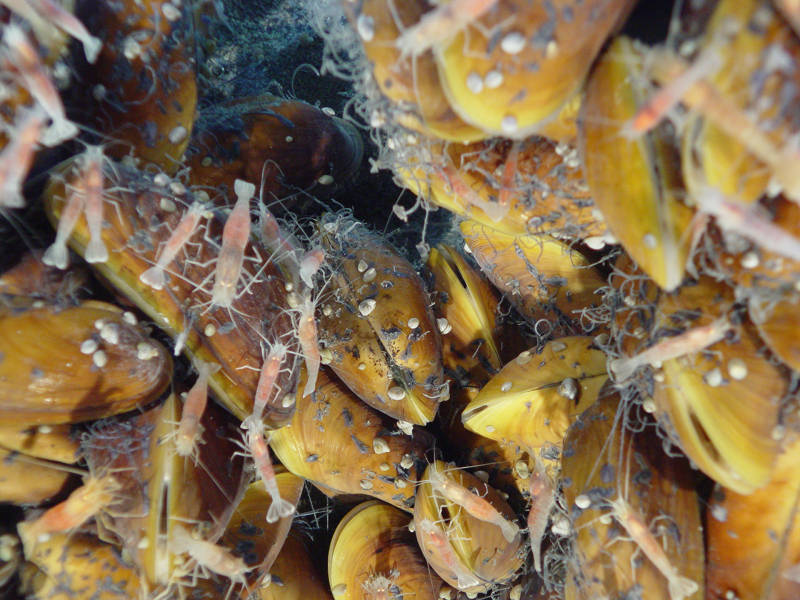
<point x="681" y="587"/>
<point x="279" y="509"/>
<point x="154" y="277"/>
<point x="96" y="251"/>
<point x="509" y="529"/>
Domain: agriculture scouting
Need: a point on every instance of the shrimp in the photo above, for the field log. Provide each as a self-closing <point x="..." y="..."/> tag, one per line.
<point x="744" y="221"/>
<point x="438" y="539"/>
<point x="310" y="264"/>
<point x="688" y="342"/>
<point x="679" y="587"/>
<point x="25" y="60"/>
<point x="475" y="505"/>
<point x="307" y="336"/>
<point x="96" y="494"/>
<point x="494" y="210"/>
<point x="507" y="181"/>
<point x="154" y="276"/>
<point x="17" y="157"/>
<point x="208" y="555"/>
<point x="267" y="378"/>
<point x="96" y="251"/>
<point x="235" y="236"/>
<point x="190" y="432"/>
<point x="542" y="501"/>
<point x="441" y="24"/>
<point x="56" y="254"/>
<point x="279" y="508"/>
<point x="64" y="20"/>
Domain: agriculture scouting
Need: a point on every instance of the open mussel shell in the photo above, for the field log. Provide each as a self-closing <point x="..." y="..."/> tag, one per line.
<point x="646" y="214"/>
<point x="159" y="489"/>
<point x="764" y="522"/>
<point x="48" y="442"/>
<point x="494" y="86"/>
<point x="142" y="89"/>
<point x="470" y="554"/>
<point x="283" y="144"/>
<point x="608" y="456"/>
<point x="26" y="482"/>
<point x="410" y="83"/>
<point x="332" y="430"/>
<point x="536" y="397"/>
<point x="541" y="276"/>
<point x="778" y="320"/>
<point x="138" y="222"/>
<point x="373" y="284"/>
<point x="468" y="304"/>
<point x="248" y="531"/>
<point x="75" y="364"/>
<point x="78" y="567"/>
<point x="373" y="555"/>
<point x="293" y="575"/>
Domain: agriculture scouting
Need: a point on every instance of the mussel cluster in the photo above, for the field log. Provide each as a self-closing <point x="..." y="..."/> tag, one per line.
<point x="587" y="390"/>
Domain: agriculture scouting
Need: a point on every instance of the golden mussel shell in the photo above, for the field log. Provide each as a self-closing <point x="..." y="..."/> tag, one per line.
<point x="337" y="441"/>
<point x="293" y="575"/>
<point x="468" y="305"/>
<point x="373" y="555"/>
<point x="608" y="467"/>
<point x="142" y="89"/>
<point x="160" y="490"/>
<point x="78" y="567"/>
<point x="30" y="278"/>
<point x="24" y="482"/>
<point x="544" y="52"/>
<point x="542" y="277"/>
<point x="377" y="286"/>
<point x="534" y="399"/>
<point x="140" y="215"/>
<point x="741" y="44"/>
<point x="764" y="523"/>
<point x="472" y="543"/>
<point x="524" y="186"/>
<point x="75" y="364"/>
<point x="411" y="83"/>
<point x="776" y="319"/>
<point x="645" y="214"/>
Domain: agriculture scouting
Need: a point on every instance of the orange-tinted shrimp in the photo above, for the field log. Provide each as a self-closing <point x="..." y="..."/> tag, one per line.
<point x="56" y="254"/>
<point x="507" y="180"/>
<point x="542" y="501"/>
<point x="207" y="555"/>
<point x="438" y="541"/>
<point x="154" y="276"/>
<point x="96" y="251"/>
<point x="235" y="236"/>
<point x="678" y="587"/>
<point x="267" y="378"/>
<point x="688" y="342"/>
<point x="441" y="24"/>
<point x="17" y="157"/>
<point x="307" y="336"/>
<point x="494" y="210"/>
<point x="83" y="504"/>
<point x="190" y="431"/>
<point x="475" y="505"/>
<point x="279" y="508"/>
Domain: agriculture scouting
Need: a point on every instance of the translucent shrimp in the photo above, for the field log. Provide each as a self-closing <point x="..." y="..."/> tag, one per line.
<point x="543" y="498"/>
<point x="307" y="336"/>
<point x="56" y="254"/>
<point x="17" y="157"/>
<point x="475" y="505"/>
<point x="445" y="552"/>
<point x="267" y="378"/>
<point x="96" y="494"/>
<point x="208" y="555"/>
<point x="310" y="264"/>
<point x="494" y="210"/>
<point x="507" y="180"/>
<point x="441" y="24"/>
<point x="96" y="251"/>
<point x="154" y="276"/>
<point x="679" y="587"/>
<point x="64" y="20"/>
<point x="279" y="508"/>
<point x="190" y="432"/>
<point x="235" y="236"/>
<point x="24" y="58"/>
<point x="742" y="220"/>
<point x="688" y="342"/>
